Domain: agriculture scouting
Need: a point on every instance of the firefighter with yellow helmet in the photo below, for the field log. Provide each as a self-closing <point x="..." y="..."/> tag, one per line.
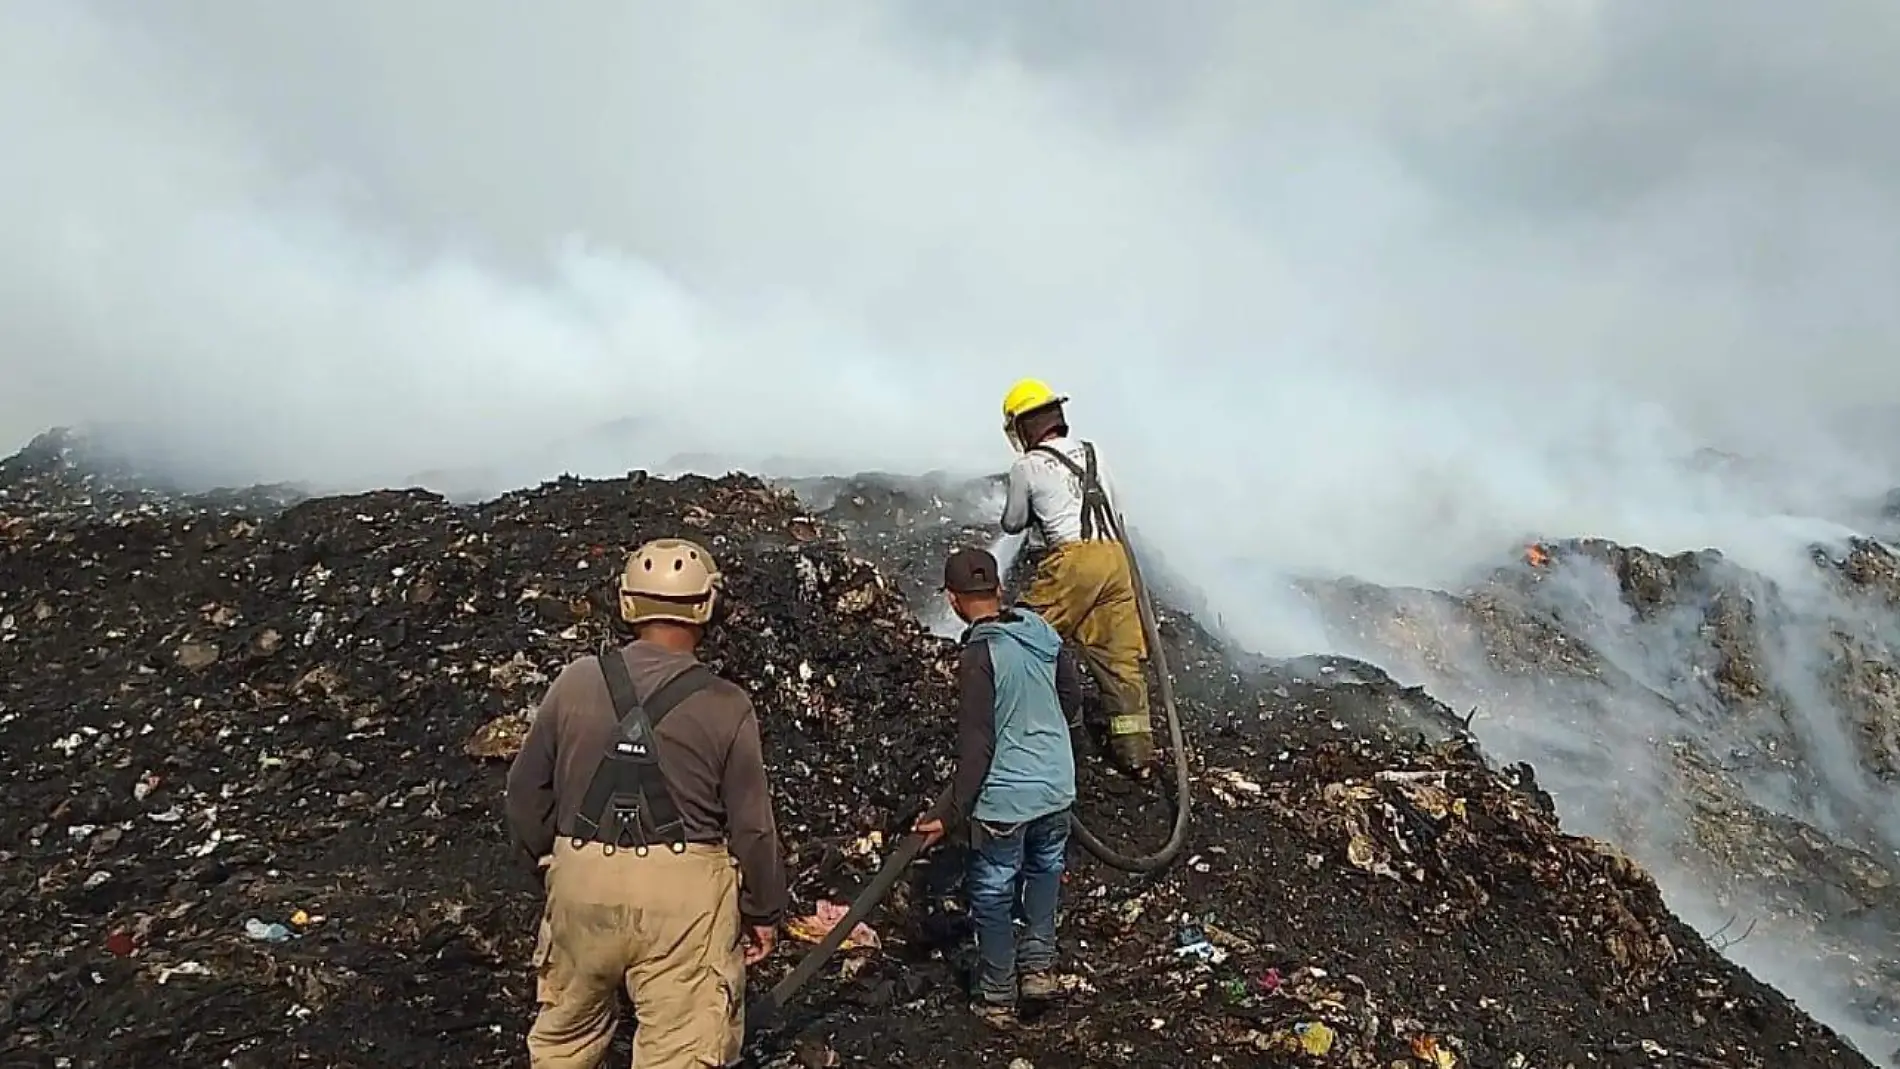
<point x="641" y="787"/>
<point x="1084" y="586"/>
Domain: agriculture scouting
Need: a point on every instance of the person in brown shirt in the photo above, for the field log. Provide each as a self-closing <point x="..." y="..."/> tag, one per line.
<point x="655" y="874"/>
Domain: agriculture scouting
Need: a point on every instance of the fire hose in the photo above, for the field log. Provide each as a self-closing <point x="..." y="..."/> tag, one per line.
<point x="761" y="1012"/>
<point x="1177" y="838"/>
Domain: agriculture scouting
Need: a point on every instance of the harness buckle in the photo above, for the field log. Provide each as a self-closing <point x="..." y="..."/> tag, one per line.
<point x="629" y="829"/>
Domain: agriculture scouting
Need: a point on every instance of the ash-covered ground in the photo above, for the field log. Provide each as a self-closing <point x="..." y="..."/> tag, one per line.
<point x="247" y="708"/>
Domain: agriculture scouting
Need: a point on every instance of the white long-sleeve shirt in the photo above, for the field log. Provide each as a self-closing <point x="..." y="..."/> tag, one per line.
<point x="1045" y="493"/>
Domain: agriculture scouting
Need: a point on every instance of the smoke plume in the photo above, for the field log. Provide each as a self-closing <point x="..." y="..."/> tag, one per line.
<point x="1370" y="290"/>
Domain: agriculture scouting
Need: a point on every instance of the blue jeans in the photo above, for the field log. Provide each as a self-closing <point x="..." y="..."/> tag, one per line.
<point x="1009" y="861"/>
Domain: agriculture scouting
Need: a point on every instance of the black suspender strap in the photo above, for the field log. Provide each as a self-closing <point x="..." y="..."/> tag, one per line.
<point x="1098" y="516"/>
<point x="628" y="802"/>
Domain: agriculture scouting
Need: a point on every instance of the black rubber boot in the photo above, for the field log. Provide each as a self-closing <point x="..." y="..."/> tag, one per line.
<point x="1133" y="754"/>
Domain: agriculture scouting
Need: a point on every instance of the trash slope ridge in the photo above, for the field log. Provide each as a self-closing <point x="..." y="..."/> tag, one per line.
<point x="219" y="712"/>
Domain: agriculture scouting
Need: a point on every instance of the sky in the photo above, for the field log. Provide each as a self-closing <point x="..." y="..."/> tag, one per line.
<point x="1357" y="287"/>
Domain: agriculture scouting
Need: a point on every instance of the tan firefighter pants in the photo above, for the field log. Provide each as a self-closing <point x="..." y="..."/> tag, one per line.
<point x="1087" y="593"/>
<point x="666" y="926"/>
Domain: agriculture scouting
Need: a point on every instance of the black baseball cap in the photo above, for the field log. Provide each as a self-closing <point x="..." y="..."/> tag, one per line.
<point x="971" y="571"/>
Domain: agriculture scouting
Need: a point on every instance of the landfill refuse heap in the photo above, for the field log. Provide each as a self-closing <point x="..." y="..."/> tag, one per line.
<point x="1763" y="716"/>
<point x="253" y="748"/>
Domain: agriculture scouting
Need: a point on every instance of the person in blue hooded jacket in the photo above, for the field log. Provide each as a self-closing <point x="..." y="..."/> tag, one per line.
<point x="1019" y="689"/>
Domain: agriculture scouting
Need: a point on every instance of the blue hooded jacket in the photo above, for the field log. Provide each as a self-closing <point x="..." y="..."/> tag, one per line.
<point x="1032" y="771"/>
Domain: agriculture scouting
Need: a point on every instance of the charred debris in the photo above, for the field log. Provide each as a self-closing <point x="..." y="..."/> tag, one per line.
<point x="253" y="747"/>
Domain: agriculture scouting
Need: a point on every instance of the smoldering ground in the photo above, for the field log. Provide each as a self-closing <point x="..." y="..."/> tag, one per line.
<point x="1725" y="727"/>
<point x="1711" y="719"/>
<point x="1374" y="291"/>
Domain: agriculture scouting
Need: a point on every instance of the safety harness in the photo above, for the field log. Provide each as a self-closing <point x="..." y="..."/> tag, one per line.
<point x="1098" y="517"/>
<point x="628" y="803"/>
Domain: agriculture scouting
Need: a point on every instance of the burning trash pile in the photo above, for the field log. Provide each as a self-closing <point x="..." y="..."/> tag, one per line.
<point x="1749" y="728"/>
<point x="253" y="758"/>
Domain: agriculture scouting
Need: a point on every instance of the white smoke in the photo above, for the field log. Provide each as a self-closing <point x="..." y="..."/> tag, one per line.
<point x="1340" y="289"/>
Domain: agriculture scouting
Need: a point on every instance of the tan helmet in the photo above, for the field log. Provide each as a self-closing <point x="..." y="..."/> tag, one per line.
<point x="670" y="579"/>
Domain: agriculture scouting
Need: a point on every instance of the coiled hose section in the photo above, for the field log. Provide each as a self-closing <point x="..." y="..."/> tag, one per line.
<point x="1106" y="854"/>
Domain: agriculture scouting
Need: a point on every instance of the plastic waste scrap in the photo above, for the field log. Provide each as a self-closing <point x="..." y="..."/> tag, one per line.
<point x="826" y="916"/>
<point x="1314" y="1037"/>
<point x="1426" y="1049"/>
<point x="1306" y="1037"/>
<point x="183" y="968"/>
<point x="1192" y="942"/>
<point x="1426" y="790"/>
<point x="1390" y="824"/>
<point x="266" y="933"/>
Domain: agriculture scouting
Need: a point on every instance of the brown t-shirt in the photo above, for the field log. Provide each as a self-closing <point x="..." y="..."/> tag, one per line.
<point x="709" y="753"/>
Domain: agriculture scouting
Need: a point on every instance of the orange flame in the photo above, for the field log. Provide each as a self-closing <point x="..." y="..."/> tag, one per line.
<point x="1537" y="555"/>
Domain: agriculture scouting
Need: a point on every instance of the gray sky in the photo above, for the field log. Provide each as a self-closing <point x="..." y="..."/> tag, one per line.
<point x="1349" y="286"/>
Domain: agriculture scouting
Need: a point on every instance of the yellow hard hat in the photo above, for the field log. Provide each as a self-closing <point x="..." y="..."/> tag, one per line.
<point x="670" y="579"/>
<point x="1027" y="396"/>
